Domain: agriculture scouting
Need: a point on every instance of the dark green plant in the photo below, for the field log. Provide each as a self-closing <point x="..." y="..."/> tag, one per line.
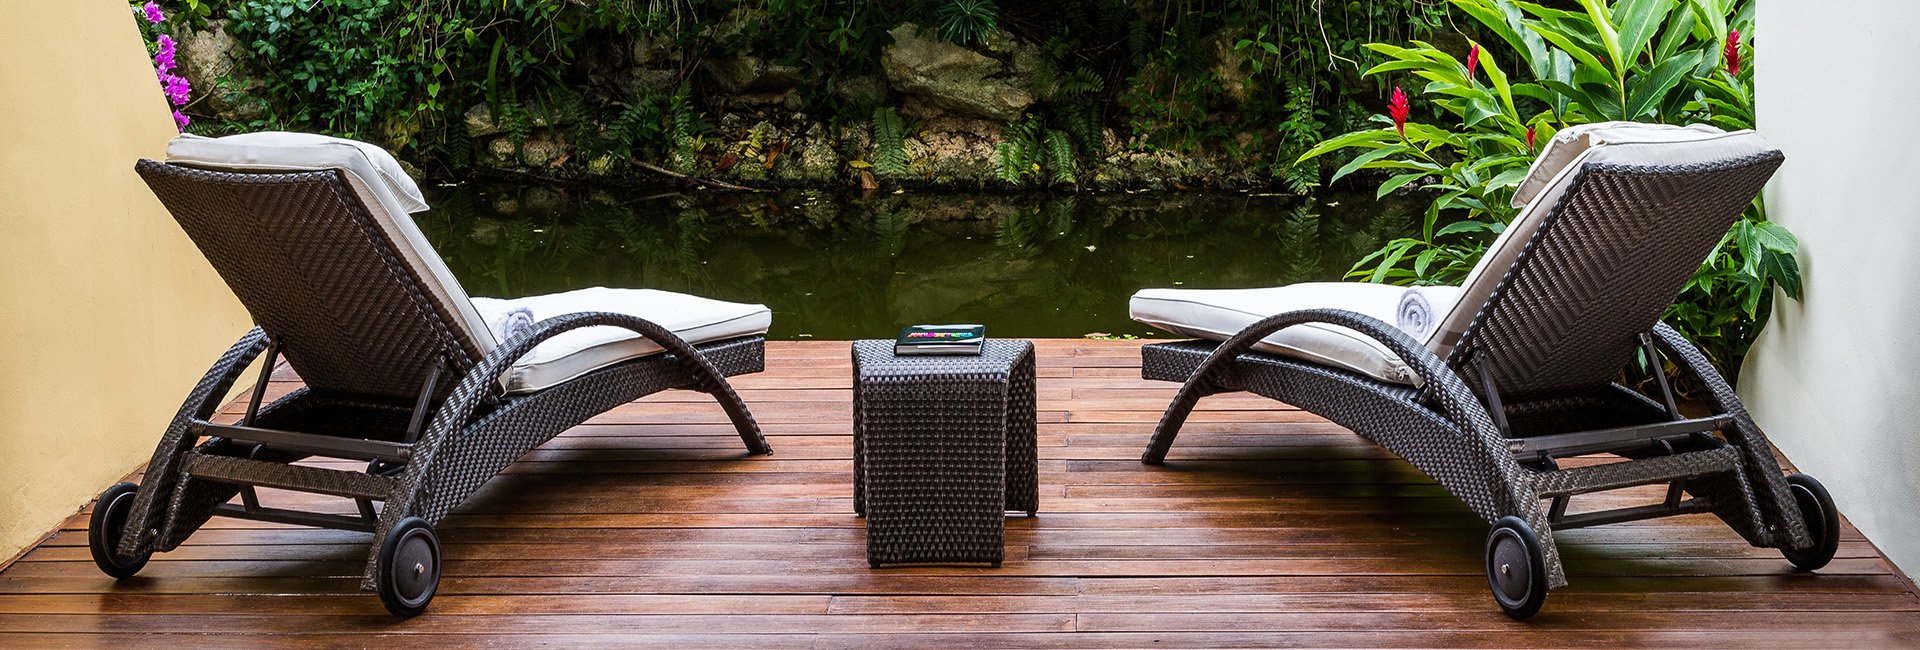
<point x="889" y="143"/>
<point x="1018" y="153"/>
<point x="1645" y="60"/>
<point x="968" y="22"/>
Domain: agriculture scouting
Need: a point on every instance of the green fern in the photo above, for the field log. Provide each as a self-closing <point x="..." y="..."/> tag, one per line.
<point x="1059" y="152"/>
<point x="889" y="142"/>
<point x="1017" y="154"/>
<point x="688" y="129"/>
<point x="570" y="108"/>
<point x="517" y="123"/>
<point x="1007" y="165"/>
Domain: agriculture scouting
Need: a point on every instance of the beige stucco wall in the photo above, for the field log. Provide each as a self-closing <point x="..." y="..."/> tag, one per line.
<point x="1835" y="379"/>
<point x="107" y="314"/>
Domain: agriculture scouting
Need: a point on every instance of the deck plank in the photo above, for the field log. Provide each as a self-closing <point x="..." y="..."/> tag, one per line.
<point x="648" y="527"/>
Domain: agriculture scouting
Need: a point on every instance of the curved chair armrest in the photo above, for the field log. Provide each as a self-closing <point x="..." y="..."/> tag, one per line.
<point x="1456" y="401"/>
<point x="1438" y="378"/>
<point x="1763" y="470"/>
<point x="1691" y="361"/>
<point x="480" y="382"/>
<point x="201" y="403"/>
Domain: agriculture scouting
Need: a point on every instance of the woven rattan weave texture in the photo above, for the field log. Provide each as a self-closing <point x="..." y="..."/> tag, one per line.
<point x="1553" y="337"/>
<point x="326" y="285"/>
<point x="944" y="447"/>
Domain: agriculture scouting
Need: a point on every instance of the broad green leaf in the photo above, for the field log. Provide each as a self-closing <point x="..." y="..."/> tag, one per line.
<point x="1679" y="30"/>
<point x="1580" y="54"/>
<point x="1423" y="133"/>
<point x="1393" y="257"/>
<point x="1439" y="55"/>
<point x="1377" y="138"/>
<point x="1650" y="88"/>
<point x="1784" y="270"/>
<point x="1710" y="14"/>
<point x="1479" y="109"/>
<point x="1498" y="78"/>
<point x="1508" y="178"/>
<point x="1547" y="13"/>
<point x="1638" y="21"/>
<point x="1577" y="96"/>
<point x="1504" y="20"/>
<point x="1609" y="37"/>
<point x="1775" y="237"/>
<point x="1464" y="226"/>
<point x="1400" y="64"/>
<point x="1425" y="260"/>
<point x="1362" y="160"/>
<point x="1398" y="182"/>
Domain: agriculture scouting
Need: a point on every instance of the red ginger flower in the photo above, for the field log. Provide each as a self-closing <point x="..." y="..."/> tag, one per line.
<point x="1530" y="138"/>
<point x="1733" y="52"/>
<point x="1399" y="110"/>
<point x="1473" y="60"/>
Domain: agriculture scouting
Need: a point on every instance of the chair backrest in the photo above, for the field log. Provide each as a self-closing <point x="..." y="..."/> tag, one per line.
<point x="337" y="291"/>
<point x="1605" y="245"/>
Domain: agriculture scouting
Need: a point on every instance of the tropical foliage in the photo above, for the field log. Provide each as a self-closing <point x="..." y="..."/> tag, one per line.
<point x="1254" y="80"/>
<point x="1671" y="61"/>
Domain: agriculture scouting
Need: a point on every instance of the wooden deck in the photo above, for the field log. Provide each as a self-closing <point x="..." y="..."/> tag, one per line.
<point x="650" y="527"/>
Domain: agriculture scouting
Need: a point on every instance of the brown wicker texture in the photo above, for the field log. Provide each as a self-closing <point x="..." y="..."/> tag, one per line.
<point x="944" y="447"/>
<point x="352" y="319"/>
<point x="319" y="275"/>
<point x="1555" y="336"/>
<point x="1604" y="265"/>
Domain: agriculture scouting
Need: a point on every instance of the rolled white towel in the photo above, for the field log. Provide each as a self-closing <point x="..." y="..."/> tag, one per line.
<point x="516" y="321"/>
<point x="1418" y="314"/>
<point x="505" y="320"/>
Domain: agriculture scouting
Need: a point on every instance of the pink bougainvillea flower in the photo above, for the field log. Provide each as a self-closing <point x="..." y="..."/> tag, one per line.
<point x="163" y="60"/>
<point x="181" y="120"/>
<point x="1399" y="110"/>
<point x="177" y="88"/>
<point x="1530" y="138"/>
<point x="1473" y="60"/>
<point x="153" y="12"/>
<point x="1733" y="52"/>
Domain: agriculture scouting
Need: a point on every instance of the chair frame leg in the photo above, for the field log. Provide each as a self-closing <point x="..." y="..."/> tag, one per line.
<point x="1197" y="387"/>
<point x="737" y="412"/>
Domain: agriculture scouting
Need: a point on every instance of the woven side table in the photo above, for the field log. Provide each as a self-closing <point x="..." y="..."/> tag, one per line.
<point x="943" y="448"/>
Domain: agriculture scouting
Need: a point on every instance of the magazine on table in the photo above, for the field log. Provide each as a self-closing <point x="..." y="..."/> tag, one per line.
<point x="940" y="340"/>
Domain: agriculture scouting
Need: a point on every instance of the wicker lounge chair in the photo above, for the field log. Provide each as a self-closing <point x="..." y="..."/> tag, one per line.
<point x="1518" y="369"/>
<point x="401" y="370"/>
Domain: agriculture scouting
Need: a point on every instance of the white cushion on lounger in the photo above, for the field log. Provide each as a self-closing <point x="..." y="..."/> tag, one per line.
<point x="1572" y="141"/>
<point x="571" y="354"/>
<point x="1217" y="314"/>
<point x="376" y="178"/>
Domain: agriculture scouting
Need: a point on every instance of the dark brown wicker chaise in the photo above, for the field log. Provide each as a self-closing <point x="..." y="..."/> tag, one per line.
<point x="1487" y="387"/>
<point x="400" y="369"/>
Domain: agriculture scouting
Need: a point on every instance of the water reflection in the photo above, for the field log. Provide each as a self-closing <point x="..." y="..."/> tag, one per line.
<point x="841" y="267"/>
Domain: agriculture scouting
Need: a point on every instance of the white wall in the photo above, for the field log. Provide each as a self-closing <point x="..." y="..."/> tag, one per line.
<point x="1835" y="378"/>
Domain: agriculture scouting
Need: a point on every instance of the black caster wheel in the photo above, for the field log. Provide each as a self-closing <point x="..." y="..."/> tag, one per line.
<point x="1516" y="568"/>
<point x="103" y="532"/>
<point x="1823" y="523"/>
<point x="409" y="567"/>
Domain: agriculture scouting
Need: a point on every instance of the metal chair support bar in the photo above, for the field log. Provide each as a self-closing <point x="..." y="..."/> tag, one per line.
<point x="296" y="517"/>
<point x="1563" y="445"/>
<point x="1636" y="513"/>
<point x="313" y="444"/>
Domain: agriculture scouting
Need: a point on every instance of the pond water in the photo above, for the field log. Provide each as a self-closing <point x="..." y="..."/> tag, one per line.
<point x="842" y="267"/>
